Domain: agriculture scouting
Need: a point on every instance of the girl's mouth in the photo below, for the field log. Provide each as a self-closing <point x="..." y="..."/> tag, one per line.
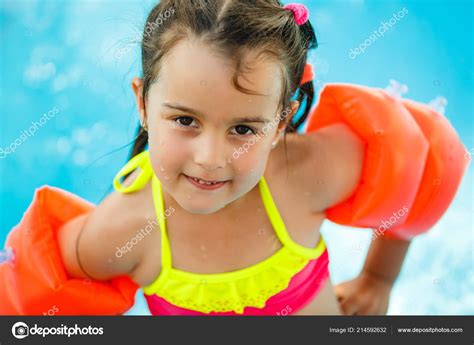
<point x="203" y="184"/>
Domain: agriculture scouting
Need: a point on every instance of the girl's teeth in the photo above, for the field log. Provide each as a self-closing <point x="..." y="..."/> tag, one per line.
<point x="202" y="182"/>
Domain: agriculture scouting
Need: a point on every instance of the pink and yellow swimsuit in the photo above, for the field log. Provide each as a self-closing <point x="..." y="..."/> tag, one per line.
<point x="279" y="285"/>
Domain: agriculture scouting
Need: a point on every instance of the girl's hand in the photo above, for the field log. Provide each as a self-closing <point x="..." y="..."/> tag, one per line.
<point x="368" y="294"/>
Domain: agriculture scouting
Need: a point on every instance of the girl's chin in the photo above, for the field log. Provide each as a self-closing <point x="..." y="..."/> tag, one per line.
<point x="196" y="209"/>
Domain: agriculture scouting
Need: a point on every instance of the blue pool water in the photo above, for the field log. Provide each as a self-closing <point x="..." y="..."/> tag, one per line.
<point x="61" y="58"/>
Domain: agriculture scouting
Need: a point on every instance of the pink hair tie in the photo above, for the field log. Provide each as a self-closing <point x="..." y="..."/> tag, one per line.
<point x="300" y="12"/>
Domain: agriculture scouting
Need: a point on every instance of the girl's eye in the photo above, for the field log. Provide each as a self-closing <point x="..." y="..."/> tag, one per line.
<point x="242" y="130"/>
<point x="184" y="120"/>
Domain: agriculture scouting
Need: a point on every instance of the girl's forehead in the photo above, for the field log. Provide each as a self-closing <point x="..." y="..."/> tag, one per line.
<point x="192" y="66"/>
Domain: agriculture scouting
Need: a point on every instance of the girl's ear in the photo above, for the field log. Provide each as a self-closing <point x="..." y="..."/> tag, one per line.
<point x="287" y="114"/>
<point x="295" y="105"/>
<point x="137" y="87"/>
<point x="285" y="117"/>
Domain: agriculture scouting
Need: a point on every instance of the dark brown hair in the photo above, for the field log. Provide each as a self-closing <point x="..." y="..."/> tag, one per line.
<point x="232" y="28"/>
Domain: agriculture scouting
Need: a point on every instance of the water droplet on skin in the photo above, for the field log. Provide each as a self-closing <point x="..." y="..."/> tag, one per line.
<point x="161" y="168"/>
<point x="229" y="160"/>
<point x="249" y="100"/>
<point x="109" y="261"/>
<point x="203" y="248"/>
<point x="188" y="196"/>
<point x="161" y="142"/>
<point x="203" y="83"/>
<point x="166" y="177"/>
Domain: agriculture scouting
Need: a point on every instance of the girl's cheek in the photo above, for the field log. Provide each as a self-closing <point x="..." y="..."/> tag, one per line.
<point x="251" y="162"/>
<point x="168" y="153"/>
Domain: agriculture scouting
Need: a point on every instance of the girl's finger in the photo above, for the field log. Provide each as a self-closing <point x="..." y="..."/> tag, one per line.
<point x="339" y="290"/>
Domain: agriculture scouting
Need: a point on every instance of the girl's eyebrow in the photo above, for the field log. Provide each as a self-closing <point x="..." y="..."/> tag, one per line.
<point x="245" y="119"/>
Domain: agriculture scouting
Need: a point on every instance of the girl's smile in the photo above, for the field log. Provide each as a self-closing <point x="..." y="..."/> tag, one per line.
<point x="205" y="184"/>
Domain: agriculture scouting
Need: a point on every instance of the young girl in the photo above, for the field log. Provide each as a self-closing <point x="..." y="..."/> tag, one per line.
<point x="221" y="215"/>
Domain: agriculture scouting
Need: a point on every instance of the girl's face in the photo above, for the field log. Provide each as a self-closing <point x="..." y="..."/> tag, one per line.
<point x="200" y="125"/>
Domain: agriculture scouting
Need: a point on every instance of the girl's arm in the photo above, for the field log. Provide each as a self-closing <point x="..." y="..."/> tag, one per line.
<point x="110" y="241"/>
<point x="44" y="273"/>
<point x="369" y="293"/>
<point x="342" y="155"/>
<point x="90" y="244"/>
<point x="385" y="258"/>
<point x="413" y="162"/>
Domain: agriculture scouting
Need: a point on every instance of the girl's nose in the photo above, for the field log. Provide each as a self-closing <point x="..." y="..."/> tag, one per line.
<point x="210" y="152"/>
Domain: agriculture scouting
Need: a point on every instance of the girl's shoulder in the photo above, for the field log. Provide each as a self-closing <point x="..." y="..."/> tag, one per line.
<point x="326" y="165"/>
<point x="117" y="238"/>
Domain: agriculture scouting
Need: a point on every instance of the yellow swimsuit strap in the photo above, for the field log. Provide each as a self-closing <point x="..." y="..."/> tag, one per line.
<point x="140" y="161"/>
<point x="280" y="228"/>
<point x="160" y="214"/>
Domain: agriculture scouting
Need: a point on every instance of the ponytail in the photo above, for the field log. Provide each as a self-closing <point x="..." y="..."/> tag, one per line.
<point x="306" y="93"/>
<point x="140" y="142"/>
<point x="306" y="88"/>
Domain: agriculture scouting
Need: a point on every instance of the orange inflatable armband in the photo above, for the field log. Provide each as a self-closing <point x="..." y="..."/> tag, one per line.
<point x="35" y="281"/>
<point x="414" y="160"/>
